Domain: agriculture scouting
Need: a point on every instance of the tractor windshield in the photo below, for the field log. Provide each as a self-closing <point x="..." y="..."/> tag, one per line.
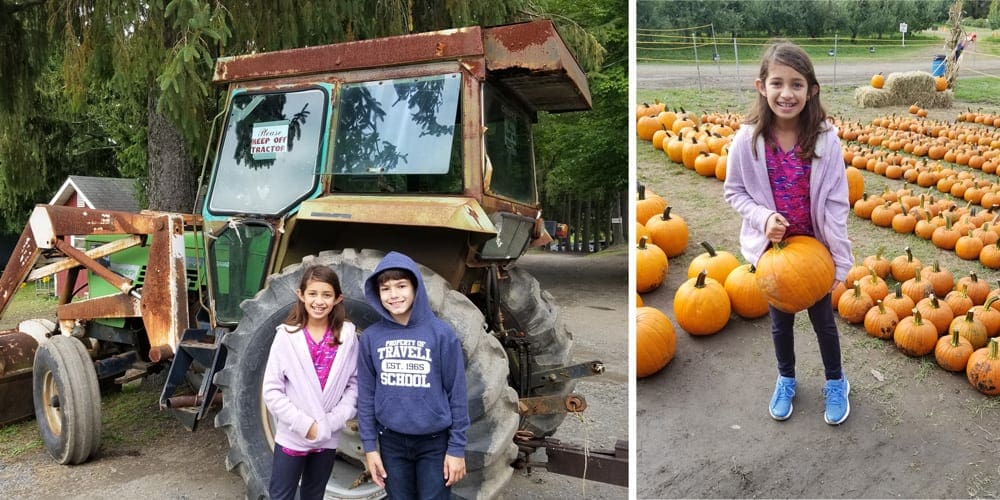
<point x="271" y="152"/>
<point x="401" y="135"/>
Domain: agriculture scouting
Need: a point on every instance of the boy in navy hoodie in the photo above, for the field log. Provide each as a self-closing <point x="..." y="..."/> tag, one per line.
<point x="411" y="388"/>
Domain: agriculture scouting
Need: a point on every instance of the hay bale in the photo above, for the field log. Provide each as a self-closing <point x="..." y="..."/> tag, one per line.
<point x="904" y="89"/>
<point x="871" y="97"/>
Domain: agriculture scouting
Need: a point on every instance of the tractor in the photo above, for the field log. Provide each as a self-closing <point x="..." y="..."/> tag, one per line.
<point x="329" y="155"/>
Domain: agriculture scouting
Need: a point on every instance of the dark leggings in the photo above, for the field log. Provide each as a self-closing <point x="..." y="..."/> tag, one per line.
<point x="314" y="469"/>
<point x="783" y="335"/>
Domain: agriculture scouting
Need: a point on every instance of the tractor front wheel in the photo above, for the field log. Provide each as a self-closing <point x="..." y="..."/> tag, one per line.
<point x="492" y="403"/>
<point x="67" y="400"/>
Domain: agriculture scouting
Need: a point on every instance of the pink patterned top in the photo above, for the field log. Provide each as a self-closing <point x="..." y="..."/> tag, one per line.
<point x="789" y="177"/>
<point x="323" y="354"/>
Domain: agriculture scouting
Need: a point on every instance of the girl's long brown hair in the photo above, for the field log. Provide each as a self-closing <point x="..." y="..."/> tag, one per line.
<point x="298" y="316"/>
<point x="813" y="115"/>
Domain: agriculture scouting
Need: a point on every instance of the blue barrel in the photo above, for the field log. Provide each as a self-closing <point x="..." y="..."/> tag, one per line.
<point x="937" y="67"/>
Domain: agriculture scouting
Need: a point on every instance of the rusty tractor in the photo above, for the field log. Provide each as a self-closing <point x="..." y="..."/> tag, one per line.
<point x="325" y="155"/>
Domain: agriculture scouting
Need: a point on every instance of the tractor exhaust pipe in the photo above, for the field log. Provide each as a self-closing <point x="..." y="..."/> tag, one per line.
<point x="17" y="355"/>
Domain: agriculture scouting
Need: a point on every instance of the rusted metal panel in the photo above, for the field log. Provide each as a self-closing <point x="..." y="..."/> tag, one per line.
<point x="606" y="466"/>
<point x="22" y="259"/>
<point x="17" y="353"/>
<point x="48" y="222"/>
<point x="391" y="51"/>
<point x="164" y="292"/>
<point x="551" y="405"/>
<point x="462" y="214"/>
<point x="532" y="61"/>
<point x="109" y="306"/>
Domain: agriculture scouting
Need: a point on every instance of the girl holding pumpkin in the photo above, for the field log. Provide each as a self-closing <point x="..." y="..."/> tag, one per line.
<point x="786" y="177"/>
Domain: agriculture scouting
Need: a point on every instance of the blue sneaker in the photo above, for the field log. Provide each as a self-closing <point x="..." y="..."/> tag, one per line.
<point x="781" y="401"/>
<point x="838" y="407"/>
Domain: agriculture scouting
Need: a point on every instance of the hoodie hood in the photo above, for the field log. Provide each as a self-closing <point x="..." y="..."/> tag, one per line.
<point x="421" y="309"/>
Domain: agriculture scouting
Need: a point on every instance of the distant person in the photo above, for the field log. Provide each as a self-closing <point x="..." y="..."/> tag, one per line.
<point x="310" y="386"/>
<point x="412" y="408"/>
<point x="787" y="177"/>
<point x="959" y="49"/>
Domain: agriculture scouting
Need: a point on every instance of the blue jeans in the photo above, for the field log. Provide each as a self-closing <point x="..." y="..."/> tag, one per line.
<point x="314" y="469"/>
<point x="822" y="319"/>
<point x="414" y="465"/>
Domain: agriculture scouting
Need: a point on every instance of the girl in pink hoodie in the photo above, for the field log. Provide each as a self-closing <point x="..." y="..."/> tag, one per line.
<point x="786" y="176"/>
<point x="310" y="386"/>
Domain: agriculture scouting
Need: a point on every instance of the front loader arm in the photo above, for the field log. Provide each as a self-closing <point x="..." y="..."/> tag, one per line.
<point x="162" y="300"/>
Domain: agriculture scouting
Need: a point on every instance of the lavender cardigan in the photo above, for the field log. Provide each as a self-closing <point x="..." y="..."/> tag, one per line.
<point x="293" y="395"/>
<point x="748" y="190"/>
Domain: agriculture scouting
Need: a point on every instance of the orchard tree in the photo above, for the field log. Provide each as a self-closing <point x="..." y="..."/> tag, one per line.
<point x="134" y="75"/>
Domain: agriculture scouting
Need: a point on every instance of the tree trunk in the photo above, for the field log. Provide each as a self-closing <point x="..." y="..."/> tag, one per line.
<point x="588" y="227"/>
<point x="618" y="233"/>
<point x="171" y="172"/>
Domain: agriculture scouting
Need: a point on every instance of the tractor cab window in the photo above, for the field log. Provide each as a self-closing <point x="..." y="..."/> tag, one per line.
<point x="508" y="147"/>
<point x="238" y="265"/>
<point x="402" y="135"/>
<point x="271" y="152"/>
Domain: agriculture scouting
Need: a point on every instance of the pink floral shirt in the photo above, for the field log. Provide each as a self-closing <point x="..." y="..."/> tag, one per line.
<point x="789" y="177"/>
<point x="323" y="353"/>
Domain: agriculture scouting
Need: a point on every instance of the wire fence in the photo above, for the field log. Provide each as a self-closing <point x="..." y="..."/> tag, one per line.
<point x="713" y="56"/>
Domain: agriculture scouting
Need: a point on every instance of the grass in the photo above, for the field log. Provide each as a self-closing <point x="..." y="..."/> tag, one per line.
<point x="29" y="302"/>
<point x="978" y="91"/>
<point x="130" y="419"/>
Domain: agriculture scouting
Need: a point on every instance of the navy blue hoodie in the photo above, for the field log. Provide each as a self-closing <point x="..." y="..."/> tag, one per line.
<point x="411" y="378"/>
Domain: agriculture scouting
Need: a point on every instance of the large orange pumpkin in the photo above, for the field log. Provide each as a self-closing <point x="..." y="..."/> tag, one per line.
<point x="650" y="266"/>
<point x="701" y="305"/>
<point x="746" y="297"/>
<point x="952" y="352"/>
<point x="647" y="204"/>
<point x="655" y="341"/>
<point x="914" y="336"/>
<point x="718" y="263"/>
<point x="983" y="370"/>
<point x="878" y="81"/>
<point x="855" y="185"/>
<point x="669" y="232"/>
<point x="795" y="273"/>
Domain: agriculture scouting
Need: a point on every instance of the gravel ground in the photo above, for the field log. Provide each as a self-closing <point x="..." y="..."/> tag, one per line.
<point x="178" y="464"/>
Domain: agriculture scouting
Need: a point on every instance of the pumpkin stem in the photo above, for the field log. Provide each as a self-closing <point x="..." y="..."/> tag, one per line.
<point x="909" y="254"/>
<point x="969" y="316"/>
<point x="881" y="307"/>
<point x="666" y="214"/>
<point x="708" y="247"/>
<point x="700" y="281"/>
<point x="642" y="191"/>
<point x="993" y="349"/>
<point x="954" y="338"/>
<point x="899" y="290"/>
<point x="642" y="242"/>
<point x="857" y="289"/>
<point x="917" y="319"/>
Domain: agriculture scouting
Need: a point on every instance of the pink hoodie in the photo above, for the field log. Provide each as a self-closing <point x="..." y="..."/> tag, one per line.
<point x="293" y="395"/>
<point x="748" y="190"/>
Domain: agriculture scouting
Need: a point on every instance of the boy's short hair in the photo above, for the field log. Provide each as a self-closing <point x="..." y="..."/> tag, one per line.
<point x="396" y="273"/>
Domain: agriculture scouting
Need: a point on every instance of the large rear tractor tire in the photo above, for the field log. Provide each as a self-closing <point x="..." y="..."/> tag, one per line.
<point x="492" y="403"/>
<point x="67" y="400"/>
<point x="533" y="311"/>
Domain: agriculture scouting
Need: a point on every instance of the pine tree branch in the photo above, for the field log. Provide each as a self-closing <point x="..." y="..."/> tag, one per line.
<point x="18" y="7"/>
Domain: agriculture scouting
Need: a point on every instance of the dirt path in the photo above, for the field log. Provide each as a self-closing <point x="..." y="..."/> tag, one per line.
<point x="915" y="431"/>
<point x="590" y="291"/>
